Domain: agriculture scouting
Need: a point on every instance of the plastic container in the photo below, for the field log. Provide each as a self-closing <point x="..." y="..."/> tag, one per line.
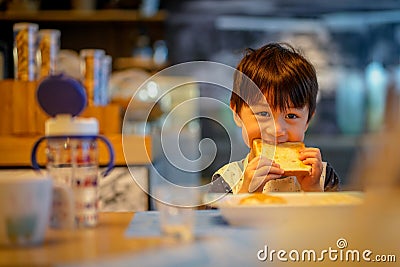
<point x="72" y="149"/>
<point x="91" y="71"/>
<point x="47" y="53"/>
<point x="24" y="51"/>
<point x="106" y="68"/>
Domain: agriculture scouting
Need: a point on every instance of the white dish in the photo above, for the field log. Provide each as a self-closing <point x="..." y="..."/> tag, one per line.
<point x="299" y="207"/>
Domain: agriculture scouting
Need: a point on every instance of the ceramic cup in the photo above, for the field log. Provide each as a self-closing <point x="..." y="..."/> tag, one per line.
<point x="25" y="205"/>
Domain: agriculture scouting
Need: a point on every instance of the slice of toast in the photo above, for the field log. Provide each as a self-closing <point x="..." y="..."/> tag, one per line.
<point x="285" y="154"/>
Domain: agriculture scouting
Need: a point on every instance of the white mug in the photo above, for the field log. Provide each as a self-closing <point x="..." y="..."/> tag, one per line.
<point x="25" y="206"/>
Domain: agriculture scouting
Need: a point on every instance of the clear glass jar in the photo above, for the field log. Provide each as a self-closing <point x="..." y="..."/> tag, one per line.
<point x="106" y="68"/>
<point x="47" y="52"/>
<point x="91" y="61"/>
<point x="24" y="51"/>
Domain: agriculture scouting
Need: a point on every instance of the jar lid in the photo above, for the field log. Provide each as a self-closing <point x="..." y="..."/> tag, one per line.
<point x="25" y="25"/>
<point x="65" y="124"/>
<point x="50" y="32"/>
<point x="61" y="94"/>
<point x="97" y="53"/>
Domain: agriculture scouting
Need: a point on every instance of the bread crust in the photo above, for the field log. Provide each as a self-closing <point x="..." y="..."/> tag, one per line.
<point x="285" y="154"/>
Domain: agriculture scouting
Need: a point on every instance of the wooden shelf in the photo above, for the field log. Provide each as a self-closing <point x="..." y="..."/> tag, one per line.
<point x="111" y="15"/>
<point x="114" y="30"/>
<point x="15" y="151"/>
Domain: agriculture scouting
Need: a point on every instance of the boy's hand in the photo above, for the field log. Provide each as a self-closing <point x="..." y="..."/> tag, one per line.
<point x="259" y="171"/>
<point x="311" y="156"/>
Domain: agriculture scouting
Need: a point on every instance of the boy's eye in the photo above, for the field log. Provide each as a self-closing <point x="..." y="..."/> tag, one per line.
<point x="291" y="116"/>
<point x="263" y="114"/>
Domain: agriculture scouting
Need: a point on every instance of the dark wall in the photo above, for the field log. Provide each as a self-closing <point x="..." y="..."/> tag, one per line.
<point x="192" y="34"/>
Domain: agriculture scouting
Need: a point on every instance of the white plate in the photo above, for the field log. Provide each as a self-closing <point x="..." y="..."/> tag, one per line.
<point x="299" y="207"/>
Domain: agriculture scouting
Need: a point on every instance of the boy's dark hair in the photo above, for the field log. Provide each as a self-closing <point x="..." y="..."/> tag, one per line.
<point x="282" y="75"/>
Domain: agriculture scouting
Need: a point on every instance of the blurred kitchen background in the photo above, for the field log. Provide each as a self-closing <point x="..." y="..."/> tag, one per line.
<point x="354" y="45"/>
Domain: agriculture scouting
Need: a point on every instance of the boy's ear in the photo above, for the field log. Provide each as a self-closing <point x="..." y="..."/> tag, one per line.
<point x="236" y="116"/>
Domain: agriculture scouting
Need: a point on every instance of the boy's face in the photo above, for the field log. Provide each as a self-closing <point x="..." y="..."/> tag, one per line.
<point x="272" y="126"/>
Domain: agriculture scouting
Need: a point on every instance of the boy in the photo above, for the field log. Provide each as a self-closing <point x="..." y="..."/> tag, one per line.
<point x="274" y="98"/>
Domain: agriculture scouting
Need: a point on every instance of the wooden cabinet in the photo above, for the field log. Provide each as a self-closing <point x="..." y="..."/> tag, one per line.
<point x="22" y="123"/>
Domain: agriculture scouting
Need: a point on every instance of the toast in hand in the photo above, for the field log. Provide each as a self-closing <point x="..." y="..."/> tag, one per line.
<point x="285" y="154"/>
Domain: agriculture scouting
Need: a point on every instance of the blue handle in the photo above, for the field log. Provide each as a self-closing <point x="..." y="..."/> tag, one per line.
<point x="110" y="163"/>
<point x="34" y="163"/>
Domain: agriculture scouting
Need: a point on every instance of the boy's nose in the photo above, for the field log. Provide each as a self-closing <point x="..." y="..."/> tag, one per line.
<point x="280" y="128"/>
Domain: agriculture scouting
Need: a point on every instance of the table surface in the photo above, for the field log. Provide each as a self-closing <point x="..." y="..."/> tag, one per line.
<point x="72" y="246"/>
<point x="131" y="239"/>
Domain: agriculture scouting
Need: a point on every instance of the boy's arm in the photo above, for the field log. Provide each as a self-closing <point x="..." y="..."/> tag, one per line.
<point x="218" y="185"/>
<point x="332" y="181"/>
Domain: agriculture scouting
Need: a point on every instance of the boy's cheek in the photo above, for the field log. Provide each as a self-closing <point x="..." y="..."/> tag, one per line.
<point x="248" y="134"/>
<point x="251" y="137"/>
<point x="245" y="137"/>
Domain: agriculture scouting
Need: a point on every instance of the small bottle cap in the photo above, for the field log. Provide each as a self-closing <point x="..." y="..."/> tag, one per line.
<point x="60" y="94"/>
